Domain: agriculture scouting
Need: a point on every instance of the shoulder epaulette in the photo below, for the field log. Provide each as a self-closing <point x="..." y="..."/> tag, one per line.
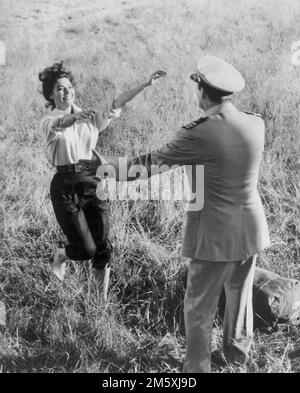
<point x="253" y="113"/>
<point x="194" y="123"/>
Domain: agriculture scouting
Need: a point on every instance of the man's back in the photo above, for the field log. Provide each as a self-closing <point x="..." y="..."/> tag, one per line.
<point x="234" y="145"/>
<point x="232" y="224"/>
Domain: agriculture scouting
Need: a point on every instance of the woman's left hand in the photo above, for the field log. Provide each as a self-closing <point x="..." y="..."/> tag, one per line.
<point x="156" y="75"/>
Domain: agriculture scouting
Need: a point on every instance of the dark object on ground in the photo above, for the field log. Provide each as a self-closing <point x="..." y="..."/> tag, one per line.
<point x="275" y="300"/>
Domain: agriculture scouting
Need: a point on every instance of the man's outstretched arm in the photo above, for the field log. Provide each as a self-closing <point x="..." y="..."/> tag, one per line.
<point x="181" y="150"/>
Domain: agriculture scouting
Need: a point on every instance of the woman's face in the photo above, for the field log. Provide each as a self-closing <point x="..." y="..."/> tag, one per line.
<point x="63" y="94"/>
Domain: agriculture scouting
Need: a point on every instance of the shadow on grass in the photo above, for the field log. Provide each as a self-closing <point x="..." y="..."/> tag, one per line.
<point x="58" y="359"/>
<point x="62" y="358"/>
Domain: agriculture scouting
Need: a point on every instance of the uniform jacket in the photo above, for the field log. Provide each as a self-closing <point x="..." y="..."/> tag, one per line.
<point x="231" y="225"/>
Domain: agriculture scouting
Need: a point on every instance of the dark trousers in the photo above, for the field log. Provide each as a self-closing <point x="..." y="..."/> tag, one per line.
<point x="83" y="218"/>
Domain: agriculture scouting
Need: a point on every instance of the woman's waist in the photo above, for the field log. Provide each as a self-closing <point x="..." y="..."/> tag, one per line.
<point x="77" y="167"/>
<point x="60" y="155"/>
<point x="83" y="171"/>
<point x="81" y="183"/>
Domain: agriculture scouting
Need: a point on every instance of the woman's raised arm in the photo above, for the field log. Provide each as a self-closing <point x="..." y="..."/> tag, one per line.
<point x="127" y="96"/>
<point x="124" y="98"/>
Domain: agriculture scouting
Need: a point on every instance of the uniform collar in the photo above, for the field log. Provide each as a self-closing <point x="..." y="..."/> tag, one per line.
<point x="224" y="107"/>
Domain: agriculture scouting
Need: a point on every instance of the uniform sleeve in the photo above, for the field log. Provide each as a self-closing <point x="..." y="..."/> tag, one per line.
<point x="103" y="123"/>
<point x="183" y="149"/>
<point x="50" y="127"/>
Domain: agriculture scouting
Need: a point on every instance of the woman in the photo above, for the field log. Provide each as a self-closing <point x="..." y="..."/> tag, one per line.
<point x="71" y="135"/>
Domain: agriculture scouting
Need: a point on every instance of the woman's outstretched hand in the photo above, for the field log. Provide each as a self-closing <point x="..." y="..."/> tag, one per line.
<point x="130" y="94"/>
<point x="156" y="75"/>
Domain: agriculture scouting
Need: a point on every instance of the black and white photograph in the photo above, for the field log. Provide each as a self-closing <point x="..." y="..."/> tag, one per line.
<point x="149" y="189"/>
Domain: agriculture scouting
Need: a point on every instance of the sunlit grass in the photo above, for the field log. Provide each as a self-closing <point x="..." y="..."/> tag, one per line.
<point x="53" y="327"/>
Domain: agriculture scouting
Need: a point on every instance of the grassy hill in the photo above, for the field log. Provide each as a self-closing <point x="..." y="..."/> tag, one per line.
<point x="110" y="46"/>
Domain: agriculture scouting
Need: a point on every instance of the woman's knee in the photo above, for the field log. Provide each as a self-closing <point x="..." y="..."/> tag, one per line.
<point x="102" y="256"/>
<point x="90" y="251"/>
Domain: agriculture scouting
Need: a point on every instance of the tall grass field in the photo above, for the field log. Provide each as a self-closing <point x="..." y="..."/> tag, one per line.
<point x="111" y="46"/>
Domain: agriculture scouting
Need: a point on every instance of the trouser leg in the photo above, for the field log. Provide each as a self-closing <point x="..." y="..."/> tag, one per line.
<point x="97" y="218"/>
<point x="204" y="286"/>
<point x="72" y="221"/>
<point x="81" y="245"/>
<point x="238" y="319"/>
<point x="84" y="247"/>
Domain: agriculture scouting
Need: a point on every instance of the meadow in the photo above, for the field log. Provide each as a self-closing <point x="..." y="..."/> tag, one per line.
<point x="111" y="46"/>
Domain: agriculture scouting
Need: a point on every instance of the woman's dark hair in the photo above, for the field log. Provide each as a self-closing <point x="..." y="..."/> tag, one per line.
<point x="49" y="77"/>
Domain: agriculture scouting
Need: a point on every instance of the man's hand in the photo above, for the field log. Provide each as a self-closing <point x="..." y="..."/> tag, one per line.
<point x="156" y="75"/>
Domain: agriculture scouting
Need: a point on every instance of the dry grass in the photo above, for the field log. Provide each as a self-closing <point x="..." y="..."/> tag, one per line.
<point x="54" y="327"/>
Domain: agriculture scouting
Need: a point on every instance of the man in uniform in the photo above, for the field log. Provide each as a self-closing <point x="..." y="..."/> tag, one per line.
<point x="222" y="240"/>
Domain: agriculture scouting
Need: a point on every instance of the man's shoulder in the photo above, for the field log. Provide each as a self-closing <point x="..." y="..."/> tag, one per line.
<point x="203" y="123"/>
<point x="255" y="119"/>
<point x="195" y="123"/>
<point x="253" y="114"/>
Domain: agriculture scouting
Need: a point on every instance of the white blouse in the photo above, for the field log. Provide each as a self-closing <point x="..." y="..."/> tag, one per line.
<point x="65" y="146"/>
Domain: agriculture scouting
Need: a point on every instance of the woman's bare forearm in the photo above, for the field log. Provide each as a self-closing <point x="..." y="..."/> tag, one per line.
<point x="128" y="95"/>
<point x="119" y="102"/>
<point x="68" y="120"/>
<point x="124" y="98"/>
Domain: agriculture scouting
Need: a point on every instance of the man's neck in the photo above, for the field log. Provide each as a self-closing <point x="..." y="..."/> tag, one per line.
<point x="210" y="107"/>
<point x="216" y="107"/>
